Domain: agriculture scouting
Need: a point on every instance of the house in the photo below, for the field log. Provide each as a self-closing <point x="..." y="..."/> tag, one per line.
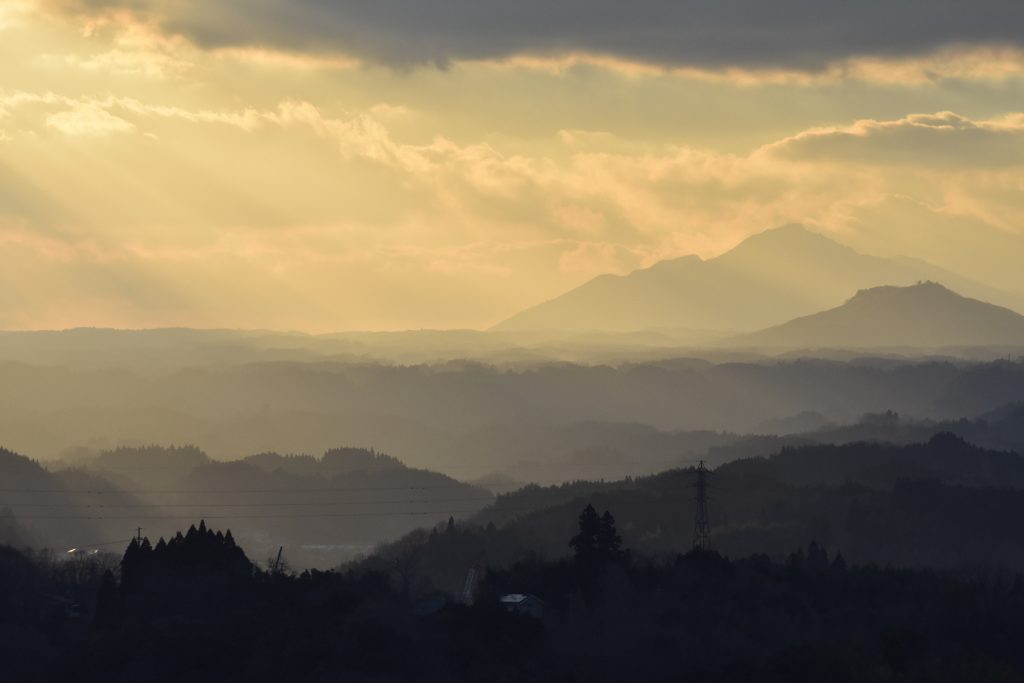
<point x="523" y="603"/>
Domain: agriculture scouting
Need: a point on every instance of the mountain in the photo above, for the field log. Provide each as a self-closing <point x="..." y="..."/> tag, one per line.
<point x="769" y="278"/>
<point x="877" y="502"/>
<point x="925" y="316"/>
<point x="62" y="510"/>
<point x="323" y="510"/>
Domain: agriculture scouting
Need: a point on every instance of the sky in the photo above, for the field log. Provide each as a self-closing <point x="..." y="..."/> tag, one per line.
<point x="335" y="165"/>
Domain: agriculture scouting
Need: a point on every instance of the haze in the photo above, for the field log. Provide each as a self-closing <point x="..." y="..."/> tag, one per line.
<point x="181" y="166"/>
<point x="490" y="340"/>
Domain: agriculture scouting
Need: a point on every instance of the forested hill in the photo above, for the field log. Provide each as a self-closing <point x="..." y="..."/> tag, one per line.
<point x="874" y="502"/>
<point x="322" y="509"/>
<point x="56" y="509"/>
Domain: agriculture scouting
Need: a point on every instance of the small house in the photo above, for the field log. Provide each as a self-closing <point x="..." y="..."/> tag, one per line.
<point x="523" y="603"/>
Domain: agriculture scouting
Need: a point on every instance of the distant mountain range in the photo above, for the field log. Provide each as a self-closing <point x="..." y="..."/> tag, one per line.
<point x="769" y="278"/>
<point x="922" y="316"/>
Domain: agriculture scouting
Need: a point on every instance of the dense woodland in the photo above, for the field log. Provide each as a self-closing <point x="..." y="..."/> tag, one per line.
<point x="195" y="608"/>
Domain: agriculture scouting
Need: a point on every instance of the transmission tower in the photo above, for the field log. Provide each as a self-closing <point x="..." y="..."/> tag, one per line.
<point x="701" y="524"/>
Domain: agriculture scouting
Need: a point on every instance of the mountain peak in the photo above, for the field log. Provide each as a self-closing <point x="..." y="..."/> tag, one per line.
<point x="924" y="292"/>
<point x="921" y="315"/>
<point x="787" y="231"/>
<point x="790" y="239"/>
<point x="919" y="286"/>
<point x="770" y="277"/>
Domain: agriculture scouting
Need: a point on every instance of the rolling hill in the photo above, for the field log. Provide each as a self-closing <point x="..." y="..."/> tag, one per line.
<point x="769" y="278"/>
<point x="921" y="316"/>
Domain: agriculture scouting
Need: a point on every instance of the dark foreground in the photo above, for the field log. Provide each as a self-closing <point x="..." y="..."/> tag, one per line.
<point x="196" y="609"/>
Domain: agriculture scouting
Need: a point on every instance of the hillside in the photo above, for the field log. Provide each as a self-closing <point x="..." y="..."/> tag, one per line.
<point x="321" y="509"/>
<point x="879" y="503"/>
<point x="771" y="277"/>
<point x="922" y="316"/>
<point x="59" y="509"/>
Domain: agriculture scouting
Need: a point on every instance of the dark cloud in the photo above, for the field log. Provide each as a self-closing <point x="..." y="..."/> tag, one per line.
<point x="803" y="34"/>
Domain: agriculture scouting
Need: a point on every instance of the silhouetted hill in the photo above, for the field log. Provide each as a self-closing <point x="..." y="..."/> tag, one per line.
<point x="921" y="316"/>
<point x="875" y="502"/>
<point x="769" y="278"/>
<point x="146" y="466"/>
<point x="335" y="462"/>
<point x="58" y="509"/>
<point x="322" y="509"/>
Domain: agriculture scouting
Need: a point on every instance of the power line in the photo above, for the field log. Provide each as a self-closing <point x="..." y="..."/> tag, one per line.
<point x="100" y="469"/>
<point x="100" y="545"/>
<point x="221" y="491"/>
<point x="244" y="505"/>
<point x="457" y="485"/>
<point x="314" y="515"/>
<point x="269" y="516"/>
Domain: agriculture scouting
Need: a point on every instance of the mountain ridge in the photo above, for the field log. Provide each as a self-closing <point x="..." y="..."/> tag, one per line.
<point x="923" y="315"/>
<point x="769" y="278"/>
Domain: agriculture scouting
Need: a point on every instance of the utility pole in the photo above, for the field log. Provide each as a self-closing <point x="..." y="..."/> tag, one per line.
<point x="138" y="534"/>
<point x="701" y="524"/>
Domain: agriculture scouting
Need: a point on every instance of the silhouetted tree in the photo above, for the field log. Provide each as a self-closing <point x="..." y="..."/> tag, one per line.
<point x="585" y="542"/>
<point x="609" y="543"/>
<point x="597" y="545"/>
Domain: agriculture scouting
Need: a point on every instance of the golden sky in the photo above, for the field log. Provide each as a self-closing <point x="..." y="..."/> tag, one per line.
<point x="323" y="166"/>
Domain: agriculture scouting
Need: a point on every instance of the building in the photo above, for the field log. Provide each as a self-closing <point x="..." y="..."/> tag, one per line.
<point x="523" y="603"/>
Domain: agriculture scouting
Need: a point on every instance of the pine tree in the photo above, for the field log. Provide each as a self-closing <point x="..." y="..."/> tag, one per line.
<point x="609" y="543"/>
<point x="585" y="543"/>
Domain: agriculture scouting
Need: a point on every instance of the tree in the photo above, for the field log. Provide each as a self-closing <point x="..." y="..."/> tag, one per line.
<point x="585" y="543"/>
<point x="609" y="543"/>
<point x="598" y="543"/>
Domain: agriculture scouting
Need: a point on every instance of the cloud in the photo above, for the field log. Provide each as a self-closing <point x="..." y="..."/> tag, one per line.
<point x="327" y="199"/>
<point x="88" y="120"/>
<point x="135" y="48"/>
<point x="943" y="139"/>
<point x="793" y="34"/>
<point x="13" y="12"/>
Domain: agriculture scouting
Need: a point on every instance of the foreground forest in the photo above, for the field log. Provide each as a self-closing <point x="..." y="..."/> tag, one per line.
<point x="195" y="608"/>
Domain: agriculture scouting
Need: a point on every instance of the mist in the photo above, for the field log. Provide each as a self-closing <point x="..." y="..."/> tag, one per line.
<point x="574" y="341"/>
